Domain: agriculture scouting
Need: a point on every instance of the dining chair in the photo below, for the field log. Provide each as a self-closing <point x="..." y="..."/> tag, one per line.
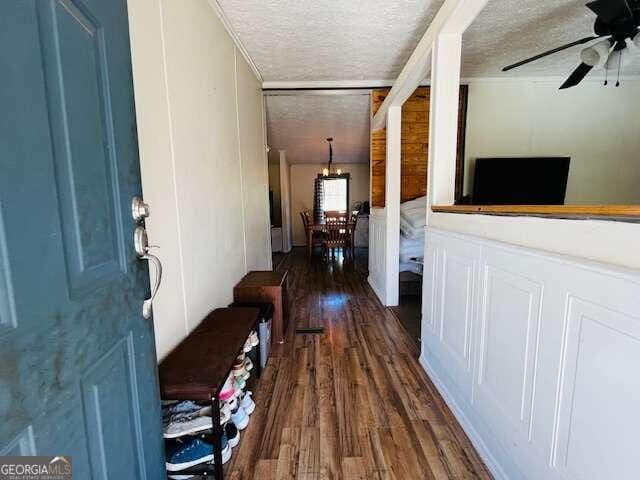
<point x="335" y="215"/>
<point x="336" y="235"/>
<point x="353" y="222"/>
<point x="316" y="236"/>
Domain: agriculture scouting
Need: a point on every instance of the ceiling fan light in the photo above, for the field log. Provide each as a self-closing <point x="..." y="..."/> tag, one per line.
<point x="590" y="56"/>
<point x="596" y="55"/>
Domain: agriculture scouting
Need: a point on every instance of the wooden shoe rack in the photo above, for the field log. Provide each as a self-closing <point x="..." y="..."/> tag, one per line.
<point x="198" y="367"/>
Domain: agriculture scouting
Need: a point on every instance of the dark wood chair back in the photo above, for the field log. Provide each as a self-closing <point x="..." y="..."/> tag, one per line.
<point x="331" y="215"/>
<point x="336" y="233"/>
<point x="305" y="220"/>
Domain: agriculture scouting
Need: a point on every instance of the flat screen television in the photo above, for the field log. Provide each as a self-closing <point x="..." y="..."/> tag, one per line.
<point x="520" y="181"/>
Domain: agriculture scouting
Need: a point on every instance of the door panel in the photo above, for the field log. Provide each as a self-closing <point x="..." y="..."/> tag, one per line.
<point x="77" y="80"/>
<point x="77" y="360"/>
<point x="113" y="431"/>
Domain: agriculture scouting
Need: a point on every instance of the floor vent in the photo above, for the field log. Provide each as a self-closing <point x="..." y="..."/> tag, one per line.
<point x="310" y="330"/>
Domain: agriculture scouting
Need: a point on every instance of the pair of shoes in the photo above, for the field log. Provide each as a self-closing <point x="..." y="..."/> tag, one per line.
<point x="189" y="423"/>
<point x="184" y="455"/>
<point x="240" y="418"/>
<point x="247" y="403"/>
<point x="231" y="404"/>
<point x="239" y="384"/>
<point x="232" y="433"/>
<point x="177" y="408"/>
<point x="228" y="390"/>
<point x="243" y="360"/>
<point x="239" y="371"/>
<point x="248" y="364"/>
<point x="251" y="342"/>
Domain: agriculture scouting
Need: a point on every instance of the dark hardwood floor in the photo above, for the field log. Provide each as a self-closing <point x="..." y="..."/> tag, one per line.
<point x="353" y="402"/>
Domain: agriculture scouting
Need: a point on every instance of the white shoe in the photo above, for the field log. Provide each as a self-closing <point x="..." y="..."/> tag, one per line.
<point x="185" y="426"/>
<point x="247" y="403"/>
<point x="248" y="364"/>
<point x="232" y="404"/>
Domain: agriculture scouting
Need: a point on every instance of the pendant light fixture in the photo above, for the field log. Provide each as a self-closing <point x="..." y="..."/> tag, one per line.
<point x="328" y="171"/>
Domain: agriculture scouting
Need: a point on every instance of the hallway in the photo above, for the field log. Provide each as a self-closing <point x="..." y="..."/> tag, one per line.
<point x="351" y="403"/>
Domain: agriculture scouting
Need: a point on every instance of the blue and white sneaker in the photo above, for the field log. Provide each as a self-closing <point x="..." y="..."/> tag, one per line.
<point x="240" y="418"/>
<point x="194" y="452"/>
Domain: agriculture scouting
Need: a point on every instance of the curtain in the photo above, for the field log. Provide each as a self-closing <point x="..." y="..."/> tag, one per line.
<point x="318" y="201"/>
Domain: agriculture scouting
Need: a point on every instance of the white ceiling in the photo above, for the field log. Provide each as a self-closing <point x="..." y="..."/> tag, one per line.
<point x="300" y="125"/>
<point x="331" y="39"/>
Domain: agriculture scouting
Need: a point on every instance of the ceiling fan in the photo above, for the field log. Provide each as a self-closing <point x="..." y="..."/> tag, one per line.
<point x="617" y="22"/>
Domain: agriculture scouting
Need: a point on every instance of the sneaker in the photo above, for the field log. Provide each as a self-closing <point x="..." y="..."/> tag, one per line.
<point x="232" y="433"/>
<point x="247" y="403"/>
<point x="247" y="345"/>
<point x="182" y="407"/>
<point x="240" y="418"/>
<point x="231" y="404"/>
<point x="194" y="452"/>
<point x="227" y="391"/>
<point x="254" y="339"/>
<point x="183" y="416"/>
<point x="248" y="364"/>
<point x="239" y="384"/>
<point x="241" y="373"/>
<point x="185" y="426"/>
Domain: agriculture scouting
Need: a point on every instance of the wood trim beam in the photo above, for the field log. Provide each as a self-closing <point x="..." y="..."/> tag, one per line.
<point x="561" y="211"/>
<point x="453" y="18"/>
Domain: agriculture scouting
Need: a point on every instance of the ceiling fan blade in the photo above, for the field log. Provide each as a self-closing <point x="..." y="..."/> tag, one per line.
<point x="549" y="52"/>
<point x="576" y="76"/>
<point x="611" y="10"/>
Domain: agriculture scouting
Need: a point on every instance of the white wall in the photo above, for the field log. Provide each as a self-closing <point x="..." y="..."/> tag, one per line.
<point x="303" y="176"/>
<point x="535" y="354"/>
<point x="596" y="126"/>
<point x="202" y="151"/>
<point x="254" y="167"/>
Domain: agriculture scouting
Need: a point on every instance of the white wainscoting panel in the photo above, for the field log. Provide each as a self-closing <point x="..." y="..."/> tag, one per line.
<point x="377" y="252"/>
<point x="537" y="355"/>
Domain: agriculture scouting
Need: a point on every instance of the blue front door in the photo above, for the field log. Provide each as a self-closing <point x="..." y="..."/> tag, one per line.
<point x="77" y="360"/>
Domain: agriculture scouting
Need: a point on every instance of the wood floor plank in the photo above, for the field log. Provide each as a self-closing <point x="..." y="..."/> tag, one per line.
<point x="288" y="455"/>
<point x="353" y="402"/>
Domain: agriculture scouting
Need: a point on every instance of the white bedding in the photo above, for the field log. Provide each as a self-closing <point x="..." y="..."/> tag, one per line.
<point x="408" y="230"/>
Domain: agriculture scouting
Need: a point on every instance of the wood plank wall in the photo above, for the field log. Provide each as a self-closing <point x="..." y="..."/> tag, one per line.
<point x="414" y="146"/>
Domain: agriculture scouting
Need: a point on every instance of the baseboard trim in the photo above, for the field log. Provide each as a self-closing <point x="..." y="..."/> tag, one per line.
<point x="476" y="440"/>
<point x="376" y="289"/>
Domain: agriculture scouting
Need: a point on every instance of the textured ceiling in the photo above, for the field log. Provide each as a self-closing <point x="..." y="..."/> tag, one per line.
<point x="331" y="39"/>
<point x="371" y="40"/>
<point x="300" y="125"/>
<point x="507" y="31"/>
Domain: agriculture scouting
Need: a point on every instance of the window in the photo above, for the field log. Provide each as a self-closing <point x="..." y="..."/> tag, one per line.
<point x="336" y="194"/>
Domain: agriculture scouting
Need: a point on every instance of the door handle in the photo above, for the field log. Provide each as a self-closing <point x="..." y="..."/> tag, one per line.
<point x="147" y="305"/>
<point x="141" y="245"/>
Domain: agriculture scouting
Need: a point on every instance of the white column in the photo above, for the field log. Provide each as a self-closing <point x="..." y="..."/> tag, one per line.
<point x="392" y="205"/>
<point x="443" y="118"/>
<point x="285" y="201"/>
